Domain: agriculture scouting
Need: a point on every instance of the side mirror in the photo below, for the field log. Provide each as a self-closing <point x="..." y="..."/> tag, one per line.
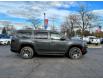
<point x="63" y="38"/>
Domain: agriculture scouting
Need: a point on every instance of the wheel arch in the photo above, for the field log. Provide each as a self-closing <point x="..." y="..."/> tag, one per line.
<point x="29" y="45"/>
<point x="79" y="46"/>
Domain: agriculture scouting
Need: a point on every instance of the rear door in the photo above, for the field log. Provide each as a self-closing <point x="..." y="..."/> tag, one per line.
<point x="42" y="43"/>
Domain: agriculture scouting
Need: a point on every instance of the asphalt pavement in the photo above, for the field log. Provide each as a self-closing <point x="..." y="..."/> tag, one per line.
<point x="13" y="66"/>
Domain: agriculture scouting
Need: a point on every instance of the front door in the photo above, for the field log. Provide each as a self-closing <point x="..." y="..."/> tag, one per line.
<point x="57" y="45"/>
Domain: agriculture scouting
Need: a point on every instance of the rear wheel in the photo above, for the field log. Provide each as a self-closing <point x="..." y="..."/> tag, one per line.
<point x="75" y="53"/>
<point x="27" y="52"/>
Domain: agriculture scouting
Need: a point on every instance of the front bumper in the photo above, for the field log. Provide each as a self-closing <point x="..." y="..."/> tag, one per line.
<point x="84" y="50"/>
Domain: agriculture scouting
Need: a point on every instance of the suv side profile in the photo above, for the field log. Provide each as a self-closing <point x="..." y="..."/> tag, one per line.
<point x="28" y="43"/>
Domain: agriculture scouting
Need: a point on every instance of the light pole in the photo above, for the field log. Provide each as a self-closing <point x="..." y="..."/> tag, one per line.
<point x="53" y="22"/>
<point x="44" y="19"/>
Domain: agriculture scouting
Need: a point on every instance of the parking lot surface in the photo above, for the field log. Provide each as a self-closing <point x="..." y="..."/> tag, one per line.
<point x="90" y="65"/>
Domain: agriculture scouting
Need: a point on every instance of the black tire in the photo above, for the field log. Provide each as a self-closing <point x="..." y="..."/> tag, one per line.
<point x="27" y="52"/>
<point x="75" y="53"/>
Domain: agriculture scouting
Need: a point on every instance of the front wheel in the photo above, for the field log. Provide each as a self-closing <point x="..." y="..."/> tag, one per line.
<point x="75" y="53"/>
<point x="26" y="52"/>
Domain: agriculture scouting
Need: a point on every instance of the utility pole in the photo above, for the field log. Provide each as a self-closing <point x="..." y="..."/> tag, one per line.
<point x="44" y="19"/>
<point x="53" y="23"/>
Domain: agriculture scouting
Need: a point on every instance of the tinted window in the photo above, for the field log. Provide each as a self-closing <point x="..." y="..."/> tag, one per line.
<point x="41" y="35"/>
<point x="24" y="34"/>
<point x="55" y="36"/>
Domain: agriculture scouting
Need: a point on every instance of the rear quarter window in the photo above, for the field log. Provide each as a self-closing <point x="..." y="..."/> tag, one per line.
<point x="24" y="34"/>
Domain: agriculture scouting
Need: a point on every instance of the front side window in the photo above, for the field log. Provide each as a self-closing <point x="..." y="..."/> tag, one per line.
<point x="55" y="36"/>
<point x="41" y="35"/>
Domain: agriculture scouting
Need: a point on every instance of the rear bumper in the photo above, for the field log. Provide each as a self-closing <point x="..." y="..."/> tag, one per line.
<point x="14" y="48"/>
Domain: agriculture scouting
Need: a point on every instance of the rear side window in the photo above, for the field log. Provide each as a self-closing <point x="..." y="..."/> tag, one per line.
<point x="41" y="35"/>
<point x="24" y="34"/>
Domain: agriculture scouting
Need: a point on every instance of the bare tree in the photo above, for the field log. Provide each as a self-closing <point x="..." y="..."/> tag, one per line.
<point x="69" y="24"/>
<point x="35" y="22"/>
<point x="85" y="18"/>
<point x="65" y="28"/>
<point x="33" y="15"/>
<point x="52" y="20"/>
<point x="72" y="22"/>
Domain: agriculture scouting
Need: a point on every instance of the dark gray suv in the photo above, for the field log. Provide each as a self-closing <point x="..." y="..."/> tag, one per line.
<point x="28" y="43"/>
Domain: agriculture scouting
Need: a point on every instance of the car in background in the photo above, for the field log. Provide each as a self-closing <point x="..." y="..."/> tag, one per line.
<point x="89" y="39"/>
<point x="96" y="41"/>
<point x="5" y="39"/>
<point x="92" y="40"/>
<point x="77" y="38"/>
<point x="101" y="40"/>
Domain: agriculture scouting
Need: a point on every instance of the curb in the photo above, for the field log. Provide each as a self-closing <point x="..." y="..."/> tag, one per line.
<point x="94" y="46"/>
